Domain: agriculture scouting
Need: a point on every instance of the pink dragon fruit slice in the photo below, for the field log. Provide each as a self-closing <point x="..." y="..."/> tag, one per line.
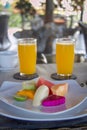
<point x="53" y="100"/>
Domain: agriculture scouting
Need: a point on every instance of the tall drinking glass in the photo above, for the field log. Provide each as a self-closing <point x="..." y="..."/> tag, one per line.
<point x="27" y="53"/>
<point x="65" y="56"/>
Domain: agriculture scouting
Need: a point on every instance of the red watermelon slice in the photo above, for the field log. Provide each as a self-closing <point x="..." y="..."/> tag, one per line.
<point x="42" y="81"/>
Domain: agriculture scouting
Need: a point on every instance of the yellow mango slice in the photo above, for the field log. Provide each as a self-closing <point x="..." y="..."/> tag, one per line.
<point x="27" y="93"/>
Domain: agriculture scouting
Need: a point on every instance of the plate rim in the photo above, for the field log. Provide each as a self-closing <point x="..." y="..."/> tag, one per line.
<point x="50" y="119"/>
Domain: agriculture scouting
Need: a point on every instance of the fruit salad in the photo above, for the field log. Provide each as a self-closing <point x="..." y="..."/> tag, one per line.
<point x="42" y="92"/>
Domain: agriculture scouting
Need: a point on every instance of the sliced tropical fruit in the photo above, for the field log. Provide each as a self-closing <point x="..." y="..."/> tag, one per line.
<point x="20" y="98"/>
<point x="53" y="100"/>
<point x="26" y="93"/>
<point x="28" y="86"/>
<point x="41" y="93"/>
<point x="42" y="81"/>
<point x="60" y="89"/>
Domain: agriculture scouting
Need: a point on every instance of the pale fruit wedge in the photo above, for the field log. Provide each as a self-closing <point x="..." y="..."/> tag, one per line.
<point x="60" y="89"/>
<point x="28" y="86"/>
<point x="41" y="93"/>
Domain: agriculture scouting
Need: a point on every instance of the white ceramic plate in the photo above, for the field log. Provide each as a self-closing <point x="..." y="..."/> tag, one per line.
<point x="75" y="95"/>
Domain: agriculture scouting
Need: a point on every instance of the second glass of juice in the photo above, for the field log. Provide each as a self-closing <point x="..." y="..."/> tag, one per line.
<point x="27" y="53"/>
<point x="65" y="56"/>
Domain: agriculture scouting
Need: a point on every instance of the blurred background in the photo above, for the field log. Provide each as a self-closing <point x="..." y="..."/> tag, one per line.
<point x="45" y="20"/>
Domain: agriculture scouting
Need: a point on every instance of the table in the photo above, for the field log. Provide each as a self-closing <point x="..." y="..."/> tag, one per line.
<point x="45" y="70"/>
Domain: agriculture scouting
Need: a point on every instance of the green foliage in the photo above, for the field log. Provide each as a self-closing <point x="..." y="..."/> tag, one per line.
<point x="25" y="7"/>
<point x="15" y="20"/>
<point x="76" y="4"/>
<point x="1" y="7"/>
<point x="26" y="10"/>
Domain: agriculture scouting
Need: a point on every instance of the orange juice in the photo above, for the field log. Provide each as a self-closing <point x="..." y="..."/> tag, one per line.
<point x="27" y="58"/>
<point x="64" y="58"/>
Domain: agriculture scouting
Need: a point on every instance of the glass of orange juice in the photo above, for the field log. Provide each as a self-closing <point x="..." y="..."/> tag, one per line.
<point x="27" y="53"/>
<point x="65" y="56"/>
